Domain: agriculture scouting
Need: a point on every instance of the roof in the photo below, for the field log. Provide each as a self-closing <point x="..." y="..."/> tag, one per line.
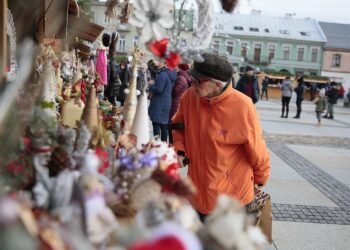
<point x="273" y="27"/>
<point x="338" y="35"/>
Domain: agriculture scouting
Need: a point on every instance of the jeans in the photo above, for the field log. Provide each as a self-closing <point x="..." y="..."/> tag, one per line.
<point x="160" y="130"/>
<point x="330" y="109"/>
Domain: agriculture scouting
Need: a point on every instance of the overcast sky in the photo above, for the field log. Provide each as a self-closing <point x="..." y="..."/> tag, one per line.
<point x="322" y="10"/>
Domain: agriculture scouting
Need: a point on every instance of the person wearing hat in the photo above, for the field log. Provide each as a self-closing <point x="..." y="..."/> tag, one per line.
<point x="219" y="135"/>
<point x="248" y="84"/>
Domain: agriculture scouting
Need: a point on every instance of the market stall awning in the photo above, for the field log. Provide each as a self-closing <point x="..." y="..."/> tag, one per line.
<point x="83" y="29"/>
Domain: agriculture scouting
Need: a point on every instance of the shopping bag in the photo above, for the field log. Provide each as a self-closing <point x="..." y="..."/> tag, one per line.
<point x="261" y="209"/>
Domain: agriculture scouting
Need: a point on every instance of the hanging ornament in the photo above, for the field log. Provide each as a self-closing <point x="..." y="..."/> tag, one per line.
<point x="106" y="39"/>
<point x="159" y="48"/>
<point x="11" y="32"/>
<point x="229" y="5"/>
<point x="152" y="18"/>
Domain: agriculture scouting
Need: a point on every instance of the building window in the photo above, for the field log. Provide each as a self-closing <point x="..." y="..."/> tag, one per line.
<point x="254" y="29"/>
<point x="284" y="32"/>
<point x="272" y="49"/>
<point x="122" y="43"/>
<point x="303" y="33"/>
<point x="286" y="51"/>
<point x="267" y="30"/>
<point x="244" y="49"/>
<point x="336" y="60"/>
<point x="216" y="46"/>
<point x="314" y="55"/>
<point x="301" y="54"/>
<point x="229" y="47"/>
<point x="238" y="28"/>
<point x="136" y="41"/>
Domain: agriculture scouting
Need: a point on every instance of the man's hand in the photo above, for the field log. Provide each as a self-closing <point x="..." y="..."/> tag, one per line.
<point x="183" y="160"/>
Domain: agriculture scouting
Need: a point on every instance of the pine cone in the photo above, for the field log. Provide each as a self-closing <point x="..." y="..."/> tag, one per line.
<point x="106" y="39"/>
<point x="229" y="5"/>
<point x="59" y="161"/>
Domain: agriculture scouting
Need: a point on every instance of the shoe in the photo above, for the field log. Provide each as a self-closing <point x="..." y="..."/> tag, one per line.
<point x="331" y="117"/>
<point x="296" y="117"/>
<point x="282" y="116"/>
<point x="325" y="116"/>
<point x="286" y="117"/>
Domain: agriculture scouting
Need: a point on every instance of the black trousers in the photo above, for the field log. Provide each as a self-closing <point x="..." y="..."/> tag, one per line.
<point x="285" y="105"/>
<point x="298" y="102"/>
<point x="161" y="130"/>
<point x="262" y="94"/>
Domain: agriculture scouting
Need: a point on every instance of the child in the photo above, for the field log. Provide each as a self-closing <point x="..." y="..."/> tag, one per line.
<point x="320" y="102"/>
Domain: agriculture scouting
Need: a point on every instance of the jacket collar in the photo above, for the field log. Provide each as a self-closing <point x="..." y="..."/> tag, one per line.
<point x="217" y="99"/>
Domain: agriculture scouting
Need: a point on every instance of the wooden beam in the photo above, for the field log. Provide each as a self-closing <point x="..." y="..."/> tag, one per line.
<point x="3" y="38"/>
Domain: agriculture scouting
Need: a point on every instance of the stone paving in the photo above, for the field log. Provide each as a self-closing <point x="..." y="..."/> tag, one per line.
<point x="325" y="183"/>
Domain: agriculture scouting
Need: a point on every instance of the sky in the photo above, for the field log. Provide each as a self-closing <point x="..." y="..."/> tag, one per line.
<point x="337" y="11"/>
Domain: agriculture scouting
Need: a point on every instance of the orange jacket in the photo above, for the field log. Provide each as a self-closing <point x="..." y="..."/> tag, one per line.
<point x="223" y="140"/>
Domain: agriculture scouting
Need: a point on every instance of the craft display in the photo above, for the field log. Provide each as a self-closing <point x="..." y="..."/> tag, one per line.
<point x="88" y="175"/>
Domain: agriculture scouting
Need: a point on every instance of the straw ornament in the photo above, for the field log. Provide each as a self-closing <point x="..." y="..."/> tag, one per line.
<point x="90" y="113"/>
<point x="131" y="98"/>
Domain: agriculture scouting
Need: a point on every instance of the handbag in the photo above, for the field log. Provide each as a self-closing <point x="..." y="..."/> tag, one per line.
<point x="261" y="209"/>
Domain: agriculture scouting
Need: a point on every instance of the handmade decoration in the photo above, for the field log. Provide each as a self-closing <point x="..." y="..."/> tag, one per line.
<point x="11" y="32"/>
<point x="159" y="48"/>
<point x="140" y="126"/>
<point x="100" y="220"/>
<point x="118" y="9"/>
<point x="58" y="162"/>
<point x="101" y="65"/>
<point x="229" y="5"/>
<point x="131" y="98"/>
<point x="71" y="112"/>
<point x="228" y="227"/>
<point x="66" y="67"/>
<point x="90" y="115"/>
<point x="152" y="18"/>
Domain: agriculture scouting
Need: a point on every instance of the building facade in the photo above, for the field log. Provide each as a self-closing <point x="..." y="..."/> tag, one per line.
<point x="128" y="36"/>
<point x="336" y="62"/>
<point x="270" y="43"/>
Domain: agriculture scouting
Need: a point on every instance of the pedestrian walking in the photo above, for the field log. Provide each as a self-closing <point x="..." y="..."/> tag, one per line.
<point x="221" y="137"/>
<point x="264" y="87"/>
<point x="160" y="103"/>
<point x="332" y="98"/>
<point x="287" y="90"/>
<point x="299" y="90"/>
<point x="320" y="102"/>
<point x="248" y="84"/>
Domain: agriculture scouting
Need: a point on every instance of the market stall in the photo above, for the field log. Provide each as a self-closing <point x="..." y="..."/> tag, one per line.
<point x="79" y="172"/>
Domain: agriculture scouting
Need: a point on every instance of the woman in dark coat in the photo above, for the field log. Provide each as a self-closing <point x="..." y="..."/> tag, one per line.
<point x="299" y="90"/>
<point x="124" y="76"/>
<point x="182" y="83"/>
<point x="160" y="103"/>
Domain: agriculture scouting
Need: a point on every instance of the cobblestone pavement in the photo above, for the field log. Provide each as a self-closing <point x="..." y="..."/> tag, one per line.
<point x="325" y="183"/>
<point x="308" y="140"/>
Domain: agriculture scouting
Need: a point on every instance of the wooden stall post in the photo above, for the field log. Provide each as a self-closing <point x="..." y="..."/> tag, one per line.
<point x="3" y="37"/>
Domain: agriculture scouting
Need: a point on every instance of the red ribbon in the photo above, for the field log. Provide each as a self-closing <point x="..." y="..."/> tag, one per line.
<point x="159" y="49"/>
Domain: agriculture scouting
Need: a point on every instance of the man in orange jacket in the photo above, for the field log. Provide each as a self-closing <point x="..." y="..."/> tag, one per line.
<point x="221" y="136"/>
